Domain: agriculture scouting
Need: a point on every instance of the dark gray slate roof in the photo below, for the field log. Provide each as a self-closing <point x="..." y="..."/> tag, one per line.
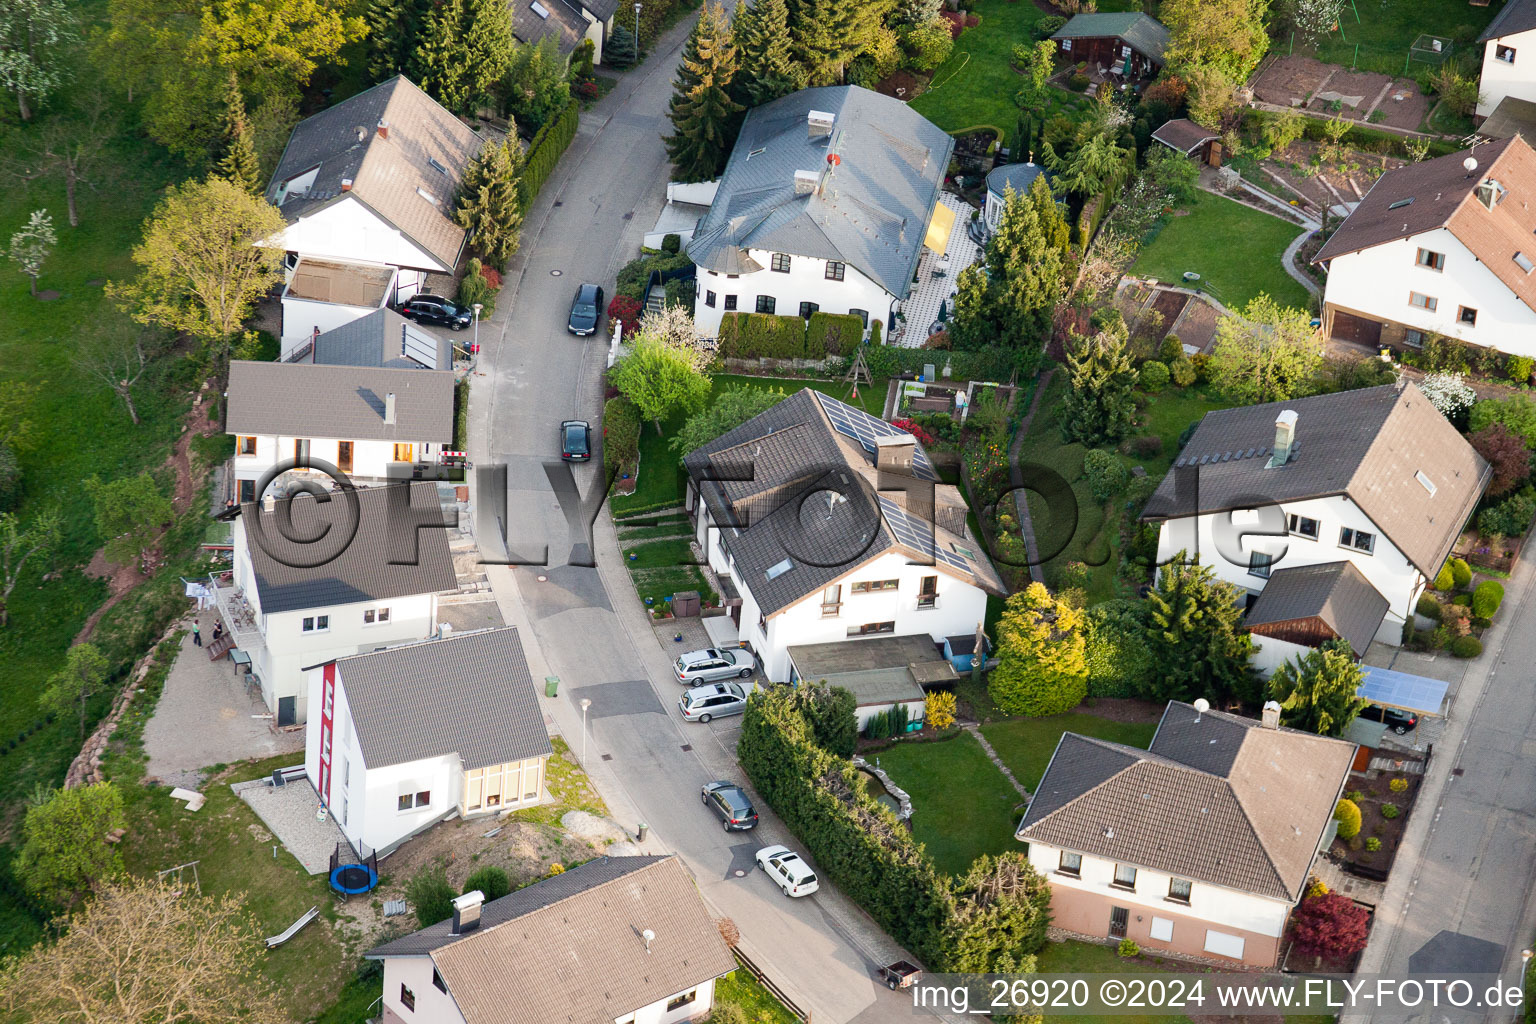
<point x="1182" y="134"/>
<point x="1020" y="176"/>
<point x="1142" y="33"/>
<point x="870" y="211"/>
<point x="385" y="173"/>
<point x="374" y="340"/>
<point x="1517" y="16"/>
<point x="1335" y="592"/>
<point x="516" y="904"/>
<point x="1367" y="444"/>
<point x="560" y="19"/>
<point x="469" y="695"/>
<point x="756" y="475"/>
<point x="343" y="402"/>
<point x="1217" y="798"/>
<point x="602" y="10"/>
<point x="350" y="570"/>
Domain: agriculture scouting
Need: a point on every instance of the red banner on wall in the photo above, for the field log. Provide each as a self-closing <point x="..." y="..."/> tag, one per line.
<point x="327" y="719"/>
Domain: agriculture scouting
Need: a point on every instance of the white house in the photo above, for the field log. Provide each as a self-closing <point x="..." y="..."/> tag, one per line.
<point x="1509" y="57"/>
<point x="324" y="294"/>
<point x="408" y="736"/>
<point x="826" y="204"/>
<point x="382" y="338"/>
<point x="368" y="422"/>
<point x="886" y="552"/>
<point x="1444" y="247"/>
<point x="619" y="940"/>
<point x="570" y="21"/>
<point x="371" y="181"/>
<point x="1199" y="845"/>
<point x="372" y="580"/>
<point x="1376" y="479"/>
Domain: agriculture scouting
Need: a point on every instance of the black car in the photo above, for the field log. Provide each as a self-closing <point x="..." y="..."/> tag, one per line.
<point x="1398" y="721"/>
<point x="434" y="309"/>
<point x="575" y="441"/>
<point x="728" y="801"/>
<point x="586" y="310"/>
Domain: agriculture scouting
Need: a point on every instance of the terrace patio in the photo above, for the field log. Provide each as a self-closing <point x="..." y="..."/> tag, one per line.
<point x="935" y="284"/>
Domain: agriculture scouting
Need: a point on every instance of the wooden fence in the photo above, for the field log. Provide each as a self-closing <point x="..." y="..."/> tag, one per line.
<point x="769" y="984"/>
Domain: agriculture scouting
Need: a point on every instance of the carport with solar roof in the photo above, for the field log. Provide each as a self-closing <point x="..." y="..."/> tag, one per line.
<point x="1401" y="690"/>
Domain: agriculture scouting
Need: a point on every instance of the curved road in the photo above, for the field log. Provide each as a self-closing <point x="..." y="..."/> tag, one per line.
<point x="585" y="625"/>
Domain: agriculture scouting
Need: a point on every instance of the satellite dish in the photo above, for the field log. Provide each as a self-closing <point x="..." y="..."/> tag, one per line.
<point x="1469" y="164"/>
<point x="1202" y="705"/>
<point x="649" y="937"/>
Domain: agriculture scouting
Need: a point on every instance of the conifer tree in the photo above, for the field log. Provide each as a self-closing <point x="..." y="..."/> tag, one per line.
<point x="1025" y="261"/>
<point x="488" y="204"/>
<point x="1195" y="632"/>
<point x="239" y="163"/>
<point x="464" y="51"/>
<point x="825" y="38"/>
<point x="702" y="111"/>
<point x="766" y="63"/>
<point x="395" y="27"/>
<point x="1100" y="406"/>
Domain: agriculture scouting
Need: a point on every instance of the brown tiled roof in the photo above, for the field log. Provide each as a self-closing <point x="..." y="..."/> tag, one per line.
<point x="1335" y="592"/>
<point x="1443" y="196"/>
<point x="581" y="958"/>
<point x="385" y="173"/>
<point x="1368" y="445"/>
<point x="1217" y="798"/>
<point x="1182" y="134"/>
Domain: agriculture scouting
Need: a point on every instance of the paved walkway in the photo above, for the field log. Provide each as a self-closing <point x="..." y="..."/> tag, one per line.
<point x="1289" y="261"/>
<point x="1021" y="498"/>
<point x="975" y="730"/>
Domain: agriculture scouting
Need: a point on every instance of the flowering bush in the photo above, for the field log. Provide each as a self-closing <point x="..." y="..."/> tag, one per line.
<point x="587" y="90"/>
<point x="1447" y="392"/>
<point x="627" y="311"/>
<point x="915" y="430"/>
<point x="492" y="277"/>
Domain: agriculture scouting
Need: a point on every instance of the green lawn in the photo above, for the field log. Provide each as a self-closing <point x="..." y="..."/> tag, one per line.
<point x="747" y="992"/>
<point x="1026" y="744"/>
<point x="1384" y="31"/>
<point x="1235" y="249"/>
<point x="976" y="87"/>
<point x="962" y="807"/>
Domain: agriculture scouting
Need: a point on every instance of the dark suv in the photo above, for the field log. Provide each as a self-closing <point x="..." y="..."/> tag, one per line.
<point x="1399" y="722"/>
<point x="727" y="800"/>
<point x="586" y="310"/>
<point x="434" y="309"/>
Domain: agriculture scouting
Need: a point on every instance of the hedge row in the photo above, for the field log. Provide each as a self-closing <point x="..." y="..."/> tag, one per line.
<point x="767" y="336"/>
<point x="1370" y="140"/>
<point x="993" y="363"/>
<point x="544" y="151"/>
<point x="621" y="435"/>
<point x="636" y="274"/>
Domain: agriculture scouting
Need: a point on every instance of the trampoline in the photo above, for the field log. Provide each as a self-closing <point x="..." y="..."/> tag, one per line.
<point x="354" y="879"/>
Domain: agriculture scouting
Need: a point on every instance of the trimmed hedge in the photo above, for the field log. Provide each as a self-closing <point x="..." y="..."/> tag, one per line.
<point x="1487" y="598"/>
<point x="762" y="336"/>
<point x="621" y="434"/>
<point x="1466" y="647"/>
<point x="833" y="334"/>
<point x="461" y="415"/>
<point x="1430" y="608"/>
<point x="544" y="151"/>
<point x="1461" y="572"/>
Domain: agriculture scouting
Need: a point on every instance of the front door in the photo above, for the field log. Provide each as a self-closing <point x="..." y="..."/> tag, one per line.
<point x="286" y="710"/>
<point x="1119" y="919"/>
<point x="344" y="456"/>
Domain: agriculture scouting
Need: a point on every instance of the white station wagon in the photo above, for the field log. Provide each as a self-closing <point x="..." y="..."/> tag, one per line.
<point x="787" y="870"/>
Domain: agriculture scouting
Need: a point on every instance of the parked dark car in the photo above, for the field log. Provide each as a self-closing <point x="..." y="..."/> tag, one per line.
<point x="728" y="801"/>
<point x="575" y="441"/>
<point x="434" y="309"/>
<point x="586" y="310"/>
<point x="1399" y="722"/>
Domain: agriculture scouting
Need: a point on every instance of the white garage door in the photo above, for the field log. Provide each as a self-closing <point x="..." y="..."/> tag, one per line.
<point x="1223" y="944"/>
<point x="1162" y="929"/>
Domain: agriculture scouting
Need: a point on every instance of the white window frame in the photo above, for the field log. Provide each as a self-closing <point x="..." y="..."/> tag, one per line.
<point x="1352" y="543"/>
<point x="1294" y="522"/>
<point x="315" y="624"/>
<point x="376" y="616"/>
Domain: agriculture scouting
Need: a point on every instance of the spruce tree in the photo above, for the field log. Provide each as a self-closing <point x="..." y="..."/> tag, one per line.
<point x="488" y="46"/>
<point x="239" y="163"/>
<point x="395" y="26"/>
<point x="825" y="38"/>
<point x="971" y="326"/>
<point x="702" y="111"/>
<point x="1194" y="630"/>
<point x="915" y="13"/>
<point x="1025" y="261"/>
<point x="488" y="205"/>
<point x="1100" y="406"/>
<point x="439" y="59"/>
<point x="767" y="68"/>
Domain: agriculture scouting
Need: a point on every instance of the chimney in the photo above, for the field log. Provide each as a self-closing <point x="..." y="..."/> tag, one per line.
<point x="805" y="182"/>
<point x="1285" y="438"/>
<point x="389" y="408"/>
<point x="346" y="184"/>
<point x="1271" y="718"/>
<point x="383" y="128"/>
<point x="895" y="454"/>
<point x="314" y="343"/>
<point x="466" y="912"/>
<point x="819" y="123"/>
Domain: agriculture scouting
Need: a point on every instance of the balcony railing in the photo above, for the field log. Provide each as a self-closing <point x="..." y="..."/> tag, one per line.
<point x="239" y="619"/>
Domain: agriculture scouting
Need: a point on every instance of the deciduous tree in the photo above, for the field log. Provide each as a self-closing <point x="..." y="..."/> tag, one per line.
<point x="537" y="84"/>
<point x="1517" y="413"/>
<point x="488" y="205"/>
<point x="1267" y="353"/>
<point x="1315" y="18"/>
<point x="661" y="378"/>
<point x="69" y="144"/>
<point x="1042" y="669"/>
<point x="702" y="112"/>
<point x="34" y="39"/>
<point x="1194" y="630"/>
<point x="20" y="543"/>
<point x="144" y="950"/>
<point x="730" y="410"/>
<point x="72" y="687"/>
<point x="129" y="514"/>
<point x="201" y="266"/>
<point x="1506" y="453"/>
<point x="1226" y="34"/>
<point x="117" y="354"/>
<point x="1101" y="404"/>
<point x="64" y="848"/>
<point x="31" y="246"/>
<point x="1317" y="690"/>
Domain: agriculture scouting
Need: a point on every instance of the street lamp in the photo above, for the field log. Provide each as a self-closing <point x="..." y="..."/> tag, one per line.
<point x="477" y="308"/>
<point x="637" y="33"/>
<point x="585" y="703"/>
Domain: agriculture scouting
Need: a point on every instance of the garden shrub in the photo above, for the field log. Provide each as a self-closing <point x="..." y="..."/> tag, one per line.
<point x="874" y="332"/>
<point x="1390" y="811"/>
<point x="635" y="274"/>
<point x="1170" y="351"/>
<point x="1460" y="571"/>
<point x="1398" y="785"/>
<point x="833" y="334"/>
<point x="1078" y="82"/>
<point x="621" y="434"/>
<point x="490" y="880"/>
<point x="1481" y="623"/>
<point x="1355" y="794"/>
<point x="762" y="336"/>
<point x="431" y="894"/>
<point x="1347" y="814"/>
<point x="1372" y="844"/>
<point x="1049" y="26"/>
<point x="1154" y="377"/>
<point x="475" y="288"/>
<point x="1127" y="948"/>
<point x="1466" y="647"/>
<point x="671" y="243"/>
<point x="939" y="709"/>
<point x="1510" y="517"/>
<point x="1445" y="579"/>
<point x="1106" y="474"/>
<point x="1461" y="600"/>
<point x="1183" y="372"/>
<point x="627" y="311"/>
<point x="1487" y="598"/>
<point x="1429" y="608"/>
<point x="1519" y="369"/>
<point x="1146" y="446"/>
<point x="1119" y="662"/>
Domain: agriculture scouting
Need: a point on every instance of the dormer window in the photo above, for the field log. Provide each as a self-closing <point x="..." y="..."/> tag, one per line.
<point x="1490" y="193"/>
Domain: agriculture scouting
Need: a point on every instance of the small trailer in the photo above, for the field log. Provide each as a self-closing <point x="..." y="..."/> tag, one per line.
<point x="900" y="974"/>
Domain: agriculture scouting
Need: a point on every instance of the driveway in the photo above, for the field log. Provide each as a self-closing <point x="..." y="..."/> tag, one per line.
<point x="585" y="625"/>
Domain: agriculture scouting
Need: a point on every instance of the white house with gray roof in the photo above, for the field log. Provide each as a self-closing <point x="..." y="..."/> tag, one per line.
<point x="371" y="581"/>
<point x="826" y="204"/>
<point x="826" y="524"/>
<point x="405" y="737"/>
<point x="367" y="421"/>
<point x="1200" y="844"/>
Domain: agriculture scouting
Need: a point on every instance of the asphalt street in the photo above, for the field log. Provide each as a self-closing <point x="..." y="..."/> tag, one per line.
<point x="586" y="625"/>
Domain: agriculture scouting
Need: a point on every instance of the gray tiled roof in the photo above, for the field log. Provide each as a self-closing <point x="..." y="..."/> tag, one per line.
<point x="287" y="578"/>
<point x="1143" y="33"/>
<point x="1182" y="134"/>
<point x="374" y="340"/>
<point x="385" y="173"/>
<point x="343" y="402"/>
<point x="1517" y="16"/>
<point x="579" y="951"/>
<point x="871" y="211"/>
<point x="1217" y="799"/>
<point x="562" y="20"/>
<point x="469" y="695"/>
<point x="602" y="10"/>
<point x="786" y="453"/>
<point x="1367" y="444"/>
<point x="1513" y="116"/>
<point x="1335" y="592"/>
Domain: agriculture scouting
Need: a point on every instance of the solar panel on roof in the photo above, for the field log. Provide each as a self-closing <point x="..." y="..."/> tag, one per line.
<point x="918" y="535"/>
<point x="866" y="430"/>
<point x="1402" y="690"/>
